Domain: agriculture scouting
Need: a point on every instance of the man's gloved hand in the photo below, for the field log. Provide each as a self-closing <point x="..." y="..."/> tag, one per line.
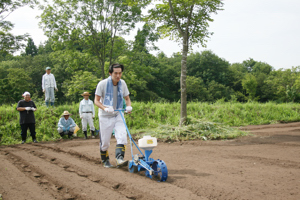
<point x="81" y="116"/>
<point x="56" y="89"/>
<point x="32" y="108"/>
<point x="93" y="116"/>
<point x="43" y="90"/>
<point x="128" y="108"/>
<point x="27" y="108"/>
<point x="64" y="129"/>
<point x="109" y="110"/>
<point x="68" y="128"/>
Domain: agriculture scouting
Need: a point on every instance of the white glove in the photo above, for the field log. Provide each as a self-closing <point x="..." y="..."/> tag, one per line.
<point x="93" y="116"/>
<point x="27" y="108"/>
<point x="128" y="108"/>
<point x="81" y="116"/>
<point x="109" y="110"/>
<point x="32" y="108"/>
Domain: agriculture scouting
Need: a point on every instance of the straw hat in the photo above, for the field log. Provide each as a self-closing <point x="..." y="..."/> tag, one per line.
<point x="66" y="113"/>
<point x="86" y="94"/>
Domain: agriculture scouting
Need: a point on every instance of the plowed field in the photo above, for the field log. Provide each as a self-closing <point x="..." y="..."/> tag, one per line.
<point x="265" y="165"/>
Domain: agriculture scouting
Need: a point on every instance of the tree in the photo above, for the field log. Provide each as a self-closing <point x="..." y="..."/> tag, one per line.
<point x="10" y="43"/>
<point x="185" y="21"/>
<point x="209" y="67"/>
<point x="95" y="24"/>
<point x="31" y="49"/>
<point x="80" y="82"/>
<point x="283" y="84"/>
<point x="195" y="88"/>
<point x="249" y="84"/>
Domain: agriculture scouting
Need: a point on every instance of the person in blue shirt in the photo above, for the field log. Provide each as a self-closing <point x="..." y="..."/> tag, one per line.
<point x="66" y="125"/>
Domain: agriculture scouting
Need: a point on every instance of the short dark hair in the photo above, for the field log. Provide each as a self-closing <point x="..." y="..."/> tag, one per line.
<point x="111" y="68"/>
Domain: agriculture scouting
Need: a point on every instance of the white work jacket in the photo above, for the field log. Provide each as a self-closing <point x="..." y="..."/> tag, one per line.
<point x="48" y="81"/>
<point x="86" y="106"/>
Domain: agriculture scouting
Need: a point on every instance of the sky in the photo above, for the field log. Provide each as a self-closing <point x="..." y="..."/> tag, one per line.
<point x="265" y="30"/>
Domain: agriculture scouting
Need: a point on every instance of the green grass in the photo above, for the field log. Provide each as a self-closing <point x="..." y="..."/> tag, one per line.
<point x="205" y="120"/>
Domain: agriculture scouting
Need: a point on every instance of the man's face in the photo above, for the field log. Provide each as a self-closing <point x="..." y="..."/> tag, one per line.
<point x="48" y="71"/>
<point x="66" y="117"/>
<point x="86" y="97"/>
<point x="116" y="75"/>
<point x="27" y="98"/>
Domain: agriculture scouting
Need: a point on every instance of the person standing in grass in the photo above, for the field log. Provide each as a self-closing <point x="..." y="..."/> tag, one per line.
<point x="48" y="86"/>
<point x="109" y="96"/>
<point x="87" y="114"/>
<point x="26" y="109"/>
<point x="66" y="125"/>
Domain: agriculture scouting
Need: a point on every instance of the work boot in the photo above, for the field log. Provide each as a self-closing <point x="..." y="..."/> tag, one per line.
<point x="107" y="164"/>
<point x="23" y="141"/>
<point x="52" y="104"/>
<point x="93" y="134"/>
<point x="105" y="159"/>
<point x="121" y="162"/>
<point x="47" y="104"/>
<point x="85" y="134"/>
<point x="120" y="153"/>
<point x="70" y="135"/>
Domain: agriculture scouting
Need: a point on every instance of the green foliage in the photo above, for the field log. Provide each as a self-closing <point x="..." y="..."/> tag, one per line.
<point x="46" y="122"/>
<point x="206" y="121"/>
<point x="184" y="19"/>
<point x="31" y="49"/>
<point x="80" y="82"/>
<point x="10" y="43"/>
<point x="93" y="26"/>
<point x="249" y="84"/>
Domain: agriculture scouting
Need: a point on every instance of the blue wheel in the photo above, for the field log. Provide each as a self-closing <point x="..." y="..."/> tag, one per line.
<point x="131" y="167"/>
<point x="160" y="170"/>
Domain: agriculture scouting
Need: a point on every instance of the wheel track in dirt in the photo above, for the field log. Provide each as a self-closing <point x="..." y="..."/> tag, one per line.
<point x="271" y="162"/>
<point x="56" y="189"/>
<point x="111" y="186"/>
<point x="124" y="189"/>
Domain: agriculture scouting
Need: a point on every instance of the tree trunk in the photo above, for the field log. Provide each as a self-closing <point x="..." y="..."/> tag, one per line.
<point x="183" y="112"/>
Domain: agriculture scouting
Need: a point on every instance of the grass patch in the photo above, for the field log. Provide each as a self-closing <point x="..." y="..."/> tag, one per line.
<point x="205" y="120"/>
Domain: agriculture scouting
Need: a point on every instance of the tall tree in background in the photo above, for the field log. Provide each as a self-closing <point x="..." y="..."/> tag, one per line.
<point x="95" y="23"/>
<point x="10" y="43"/>
<point x="185" y="21"/>
<point x="31" y="49"/>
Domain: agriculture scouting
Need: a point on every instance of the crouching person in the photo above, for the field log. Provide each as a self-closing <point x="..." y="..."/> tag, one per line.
<point x="66" y="125"/>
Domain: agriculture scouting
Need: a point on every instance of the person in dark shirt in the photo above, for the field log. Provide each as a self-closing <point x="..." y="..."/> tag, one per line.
<point x="26" y="109"/>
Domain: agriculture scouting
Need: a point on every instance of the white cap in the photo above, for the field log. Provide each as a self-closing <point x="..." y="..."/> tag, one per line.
<point x="26" y="93"/>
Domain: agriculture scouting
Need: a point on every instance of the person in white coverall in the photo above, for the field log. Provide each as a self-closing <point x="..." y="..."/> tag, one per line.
<point x="87" y="113"/>
<point x="108" y="97"/>
<point x="48" y="86"/>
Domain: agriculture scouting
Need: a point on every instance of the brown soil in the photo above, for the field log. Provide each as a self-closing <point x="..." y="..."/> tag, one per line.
<point x="265" y="165"/>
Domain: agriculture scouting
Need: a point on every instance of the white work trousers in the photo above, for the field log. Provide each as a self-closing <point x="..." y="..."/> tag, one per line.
<point x="49" y="94"/>
<point x="87" y="118"/>
<point x="107" y="124"/>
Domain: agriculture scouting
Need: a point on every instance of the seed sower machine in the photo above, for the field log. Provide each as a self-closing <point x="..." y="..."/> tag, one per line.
<point x="156" y="169"/>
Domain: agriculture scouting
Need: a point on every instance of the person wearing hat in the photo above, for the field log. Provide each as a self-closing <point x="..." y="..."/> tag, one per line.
<point x="48" y="86"/>
<point x="87" y="113"/>
<point x="109" y="96"/>
<point x="66" y="125"/>
<point x="26" y="109"/>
